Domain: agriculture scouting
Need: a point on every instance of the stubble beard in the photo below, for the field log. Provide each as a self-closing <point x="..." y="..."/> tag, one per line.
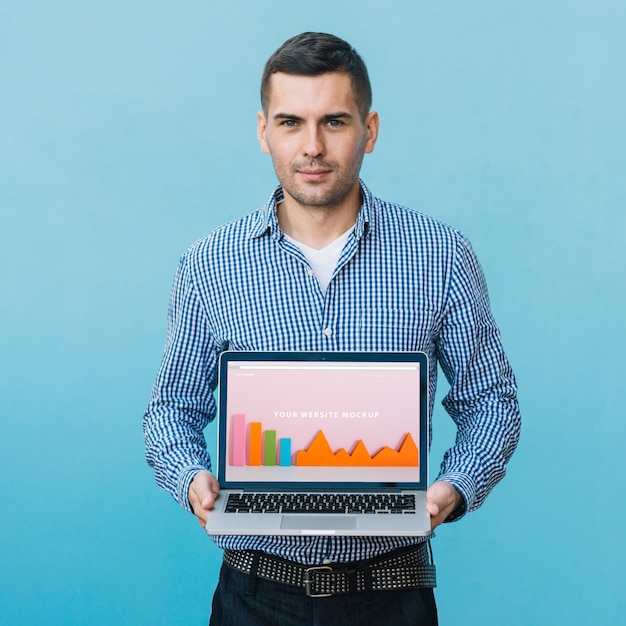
<point x="326" y="194"/>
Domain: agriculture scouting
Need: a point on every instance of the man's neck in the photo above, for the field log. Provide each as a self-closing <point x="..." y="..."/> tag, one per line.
<point x="317" y="226"/>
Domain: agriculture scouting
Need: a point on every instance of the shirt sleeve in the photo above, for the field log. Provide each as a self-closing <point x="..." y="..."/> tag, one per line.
<point x="482" y="399"/>
<point x="182" y="401"/>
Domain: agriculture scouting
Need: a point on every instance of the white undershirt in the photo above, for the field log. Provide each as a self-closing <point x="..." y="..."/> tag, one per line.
<point x="323" y="262"/>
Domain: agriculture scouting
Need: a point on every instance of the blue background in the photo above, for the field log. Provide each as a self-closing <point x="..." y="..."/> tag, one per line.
<point x="127" y="131"/>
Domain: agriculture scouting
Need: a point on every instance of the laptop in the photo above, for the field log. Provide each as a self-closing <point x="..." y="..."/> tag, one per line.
<point x="322" y="443"/>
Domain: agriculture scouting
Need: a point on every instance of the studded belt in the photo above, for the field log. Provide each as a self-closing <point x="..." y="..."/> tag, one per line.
<point x="405" y="568"/>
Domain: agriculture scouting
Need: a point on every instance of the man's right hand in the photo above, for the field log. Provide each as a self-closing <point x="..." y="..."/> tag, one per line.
<point x="203" y="492"/>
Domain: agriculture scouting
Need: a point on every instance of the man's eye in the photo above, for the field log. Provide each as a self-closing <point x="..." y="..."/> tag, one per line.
<point x="335" y="123"/>
<point x="289" y="123"/>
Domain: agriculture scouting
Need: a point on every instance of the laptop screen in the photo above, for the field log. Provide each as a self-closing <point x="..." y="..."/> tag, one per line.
<point x="296" y="419"/>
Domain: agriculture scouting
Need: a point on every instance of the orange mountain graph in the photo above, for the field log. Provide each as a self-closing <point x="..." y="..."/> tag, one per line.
<point x="319" y="453"/>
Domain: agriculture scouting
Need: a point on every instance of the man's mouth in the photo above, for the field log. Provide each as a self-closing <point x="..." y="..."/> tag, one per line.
<point x="313" y="174"/>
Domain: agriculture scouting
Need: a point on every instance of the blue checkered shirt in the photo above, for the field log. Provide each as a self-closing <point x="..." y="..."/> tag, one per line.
<point x="403" y="282"/>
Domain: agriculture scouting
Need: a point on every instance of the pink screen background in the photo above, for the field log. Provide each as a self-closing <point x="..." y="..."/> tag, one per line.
<point x="377" y="406"/>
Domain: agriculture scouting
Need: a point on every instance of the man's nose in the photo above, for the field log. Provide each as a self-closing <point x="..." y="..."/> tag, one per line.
<point x="313" y="143"/>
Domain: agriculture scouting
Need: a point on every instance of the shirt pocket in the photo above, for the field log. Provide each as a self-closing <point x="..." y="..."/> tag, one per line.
<point x="398" y="330"/>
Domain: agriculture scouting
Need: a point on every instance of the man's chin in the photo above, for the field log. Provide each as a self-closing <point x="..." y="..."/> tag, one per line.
<point x="317" y="195"/>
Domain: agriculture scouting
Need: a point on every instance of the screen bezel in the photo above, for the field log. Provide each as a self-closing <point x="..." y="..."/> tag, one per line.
<point x="310" y="356"/>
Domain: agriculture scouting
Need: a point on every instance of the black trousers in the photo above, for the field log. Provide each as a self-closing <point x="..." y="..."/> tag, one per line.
<point x="244" y="600"/>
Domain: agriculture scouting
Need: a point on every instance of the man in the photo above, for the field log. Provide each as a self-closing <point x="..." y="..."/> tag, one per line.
<point x="327" y="266"/>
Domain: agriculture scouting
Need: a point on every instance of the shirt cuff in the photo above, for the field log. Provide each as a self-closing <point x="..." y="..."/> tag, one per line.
<point x="464" y="484"/>
<point x="184" y="481"/>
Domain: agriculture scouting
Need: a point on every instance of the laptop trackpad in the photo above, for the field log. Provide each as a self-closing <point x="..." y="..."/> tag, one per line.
<point x="318" y="522"/>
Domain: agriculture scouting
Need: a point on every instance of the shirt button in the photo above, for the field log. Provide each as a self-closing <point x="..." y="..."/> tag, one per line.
<point x="328" y="332"/>
<point x="311" y="273"/>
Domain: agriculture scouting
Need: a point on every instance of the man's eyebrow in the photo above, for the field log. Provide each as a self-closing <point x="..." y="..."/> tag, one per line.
<point x="287" y="116"/>
<point x="338" y="116"/>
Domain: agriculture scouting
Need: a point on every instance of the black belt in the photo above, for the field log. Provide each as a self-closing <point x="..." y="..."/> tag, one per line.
<point x="405" y="568"/>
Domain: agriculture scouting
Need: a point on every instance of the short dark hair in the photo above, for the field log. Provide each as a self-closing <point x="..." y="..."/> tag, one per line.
<point x="314" y="54"/>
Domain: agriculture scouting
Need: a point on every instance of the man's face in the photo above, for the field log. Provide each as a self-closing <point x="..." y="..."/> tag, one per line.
<point x="316" y="137"/>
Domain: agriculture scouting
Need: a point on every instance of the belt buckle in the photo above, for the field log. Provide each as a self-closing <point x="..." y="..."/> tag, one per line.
<point x="308" y="580"/>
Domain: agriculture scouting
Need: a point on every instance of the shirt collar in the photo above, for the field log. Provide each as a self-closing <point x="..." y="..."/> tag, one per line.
<point x="267" y="221"/>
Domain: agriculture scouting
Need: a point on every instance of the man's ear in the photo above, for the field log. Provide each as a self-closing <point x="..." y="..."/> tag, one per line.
<point x="371" y="128"/>
<point x="261" y="128"/>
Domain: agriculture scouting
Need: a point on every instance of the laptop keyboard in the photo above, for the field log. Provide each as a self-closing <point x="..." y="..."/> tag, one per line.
<point x="378" y="503"/>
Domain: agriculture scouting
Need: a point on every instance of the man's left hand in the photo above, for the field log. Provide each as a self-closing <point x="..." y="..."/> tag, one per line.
<point x="442" y="499"/>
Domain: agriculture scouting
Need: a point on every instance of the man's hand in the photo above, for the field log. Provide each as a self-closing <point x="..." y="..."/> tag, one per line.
<point x="203" y="492"/>
<point x="442" y="499"/>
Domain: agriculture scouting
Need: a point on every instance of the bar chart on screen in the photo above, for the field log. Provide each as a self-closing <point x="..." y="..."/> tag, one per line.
<point x="254" y="446"/>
